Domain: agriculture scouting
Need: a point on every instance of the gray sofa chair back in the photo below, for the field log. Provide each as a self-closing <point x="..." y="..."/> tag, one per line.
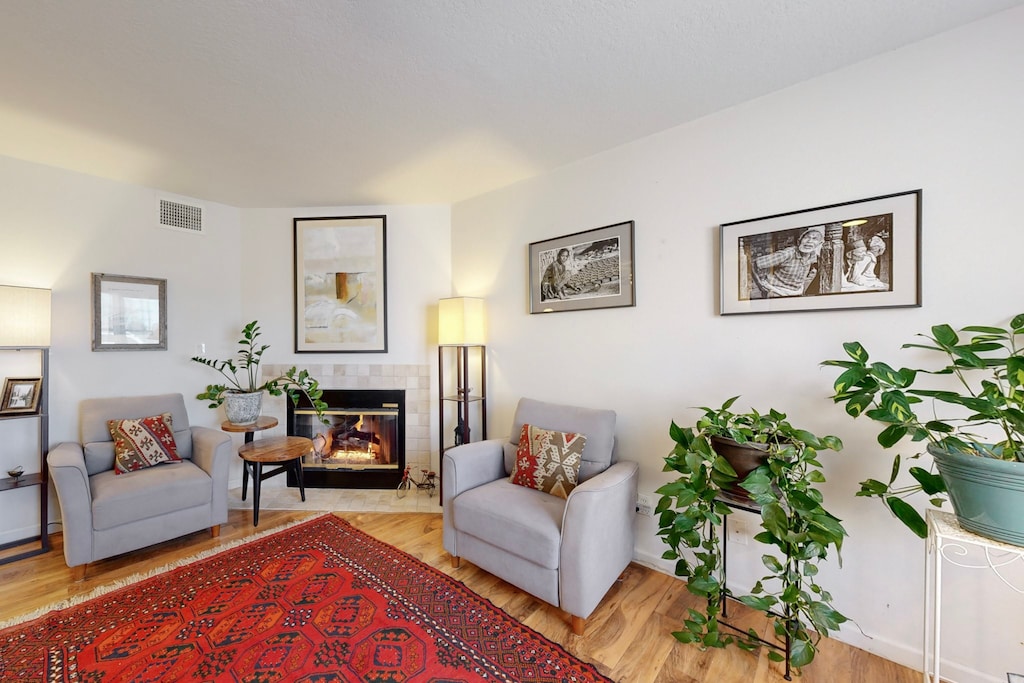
<point x="597" y="424"/>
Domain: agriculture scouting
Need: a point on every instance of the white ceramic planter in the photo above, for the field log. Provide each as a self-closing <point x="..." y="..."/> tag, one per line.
<point x="241" y="408"/>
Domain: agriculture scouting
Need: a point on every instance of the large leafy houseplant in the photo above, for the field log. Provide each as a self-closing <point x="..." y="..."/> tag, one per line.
<point x="241" y="375"/>
<point x="793" y="521"/>
<point x="984" y="402"/>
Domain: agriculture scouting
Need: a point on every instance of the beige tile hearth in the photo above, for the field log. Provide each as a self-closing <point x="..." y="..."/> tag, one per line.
<point x="336" y="500"/>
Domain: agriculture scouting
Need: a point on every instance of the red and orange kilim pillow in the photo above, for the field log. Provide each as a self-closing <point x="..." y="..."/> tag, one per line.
<point x="548" y="461"/>
<point x="142" y="442"/>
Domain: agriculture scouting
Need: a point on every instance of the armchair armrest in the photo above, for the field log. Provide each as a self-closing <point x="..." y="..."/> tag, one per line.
<point x="463" y="468"/>
<point x="211" y="451"/>
<point x="597" y="537"/>
<point x="66" y="464"/>
<point x="470" y="465"/>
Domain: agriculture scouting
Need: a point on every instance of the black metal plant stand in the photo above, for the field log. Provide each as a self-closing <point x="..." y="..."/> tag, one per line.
<point x="788" y="616"/>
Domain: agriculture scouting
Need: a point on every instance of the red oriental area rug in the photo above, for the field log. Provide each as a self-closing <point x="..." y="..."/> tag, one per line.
<point x="320" y="601"/>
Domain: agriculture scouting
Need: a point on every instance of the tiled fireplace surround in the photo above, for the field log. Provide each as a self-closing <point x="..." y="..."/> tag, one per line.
<point x="414" y="379"/>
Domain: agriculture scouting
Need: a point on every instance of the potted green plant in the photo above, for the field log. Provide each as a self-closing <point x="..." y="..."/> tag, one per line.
<point x="242" y="394"/>
<point x="793" y="521"/>
<point x="980" y="442"/>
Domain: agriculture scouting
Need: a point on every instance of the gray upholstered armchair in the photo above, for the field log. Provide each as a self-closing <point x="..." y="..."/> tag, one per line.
<point x="567" y="552"/>
<point x="104" y="514"/>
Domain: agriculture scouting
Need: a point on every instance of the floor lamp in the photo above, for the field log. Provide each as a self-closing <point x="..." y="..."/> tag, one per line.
<point x="460" y="326"/>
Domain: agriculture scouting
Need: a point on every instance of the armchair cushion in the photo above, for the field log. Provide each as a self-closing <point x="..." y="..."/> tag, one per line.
<point x="526" y="522"/>
<point x="142" y="442"/>
<point x="547" y="460"/>
<point x="151" y="492"/>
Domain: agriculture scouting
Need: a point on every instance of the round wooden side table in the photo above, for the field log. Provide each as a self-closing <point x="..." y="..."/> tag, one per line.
<point x="285" y="451"/>
<point x="262" y="422"/>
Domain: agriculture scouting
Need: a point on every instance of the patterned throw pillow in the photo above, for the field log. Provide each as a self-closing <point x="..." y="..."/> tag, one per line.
<point x="142" y="442"/>
<point x="548" y="461"/>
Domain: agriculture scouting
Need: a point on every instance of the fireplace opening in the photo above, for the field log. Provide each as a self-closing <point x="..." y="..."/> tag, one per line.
<point x="362" y="447"/>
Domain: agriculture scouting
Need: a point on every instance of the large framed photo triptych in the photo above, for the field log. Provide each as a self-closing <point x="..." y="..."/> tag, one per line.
<point x="858" y="254"/>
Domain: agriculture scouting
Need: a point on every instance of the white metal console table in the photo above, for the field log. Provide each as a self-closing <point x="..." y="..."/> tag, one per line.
<point x="947" y="540"/>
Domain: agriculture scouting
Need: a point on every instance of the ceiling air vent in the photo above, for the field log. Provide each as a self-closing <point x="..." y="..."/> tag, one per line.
<point x="181" y="216"/>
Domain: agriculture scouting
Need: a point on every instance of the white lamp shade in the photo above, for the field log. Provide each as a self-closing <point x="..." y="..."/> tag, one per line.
<point x="24" y="316"/>
<point x="460" y="321"/>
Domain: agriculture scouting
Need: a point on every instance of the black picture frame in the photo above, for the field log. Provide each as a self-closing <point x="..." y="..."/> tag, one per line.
<point x="598" y="271"/>
<point x="858" y="254"/>
<point x="341" y="284"/>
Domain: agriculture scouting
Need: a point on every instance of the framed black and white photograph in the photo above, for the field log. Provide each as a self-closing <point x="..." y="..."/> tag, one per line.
<point x="341" y="284"/>
<point x="21" y="395"/>
<point x="128" y="313"/>
<point x="590" y="269"/>
<point x="858" y="254"/>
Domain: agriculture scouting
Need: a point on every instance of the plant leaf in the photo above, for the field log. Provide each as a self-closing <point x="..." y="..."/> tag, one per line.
<point x="891" y="435"/>
<point x="908" y="515"/>
<point x="930" y="483"/>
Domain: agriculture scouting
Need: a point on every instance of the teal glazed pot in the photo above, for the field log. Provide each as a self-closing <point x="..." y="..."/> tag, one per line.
<point x="987" y="494"/>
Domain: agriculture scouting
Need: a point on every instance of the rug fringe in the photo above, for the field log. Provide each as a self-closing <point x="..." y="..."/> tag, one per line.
<point x="142" y="576"/>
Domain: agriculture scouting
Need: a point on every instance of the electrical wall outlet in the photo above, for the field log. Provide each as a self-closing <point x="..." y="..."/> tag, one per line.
<point x="738" y="531"/>
<point x="645" y="504"/>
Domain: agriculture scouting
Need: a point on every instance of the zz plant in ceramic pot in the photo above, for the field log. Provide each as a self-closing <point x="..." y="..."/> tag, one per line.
<point x="798" y="529"/>
<point x="983" y="428"/>
<point x="241" y="375"/>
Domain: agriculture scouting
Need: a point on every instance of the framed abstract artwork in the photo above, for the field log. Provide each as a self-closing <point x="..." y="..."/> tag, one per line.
<point x="858" y="254"/>
<point x="341" y="284"/>
<point x="590" y="269"/>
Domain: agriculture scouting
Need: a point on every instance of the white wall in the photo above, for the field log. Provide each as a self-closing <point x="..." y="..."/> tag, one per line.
<point x="943" y="115"/>
<point x="58" y="227"/>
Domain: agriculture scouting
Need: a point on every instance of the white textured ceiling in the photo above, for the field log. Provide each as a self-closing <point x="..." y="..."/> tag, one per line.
<point x="343" y="102"/>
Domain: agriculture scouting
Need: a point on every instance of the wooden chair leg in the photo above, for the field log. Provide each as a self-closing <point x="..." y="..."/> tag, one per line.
<point x="578" y="624"/>
<point x="78" y="573"/>
<point x="456" y="561"/>
<point x="215" y="531"/>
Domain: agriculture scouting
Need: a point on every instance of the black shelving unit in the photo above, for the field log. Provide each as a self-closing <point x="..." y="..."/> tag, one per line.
<point x="467" y="401"/>
<point x="35" y="479"/>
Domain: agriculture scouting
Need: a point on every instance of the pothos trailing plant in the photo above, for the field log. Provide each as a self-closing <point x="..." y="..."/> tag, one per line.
<point x="986" y="399"/>
<point x="794" y="524"/>
<point x="242" y="375"/>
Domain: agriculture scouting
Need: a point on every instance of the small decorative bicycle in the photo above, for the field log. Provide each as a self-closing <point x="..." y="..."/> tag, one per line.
<point x="428" y="482"/>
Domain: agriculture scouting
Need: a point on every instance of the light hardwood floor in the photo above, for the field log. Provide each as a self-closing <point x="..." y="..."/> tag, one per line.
<point x="628" y="638"/>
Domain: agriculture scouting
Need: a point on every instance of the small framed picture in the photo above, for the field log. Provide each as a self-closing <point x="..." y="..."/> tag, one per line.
<point x="859" y="254"/>
<point x="21" y="395"/>
<point x="590" y="269"/>
<point x="128" y="313"/>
